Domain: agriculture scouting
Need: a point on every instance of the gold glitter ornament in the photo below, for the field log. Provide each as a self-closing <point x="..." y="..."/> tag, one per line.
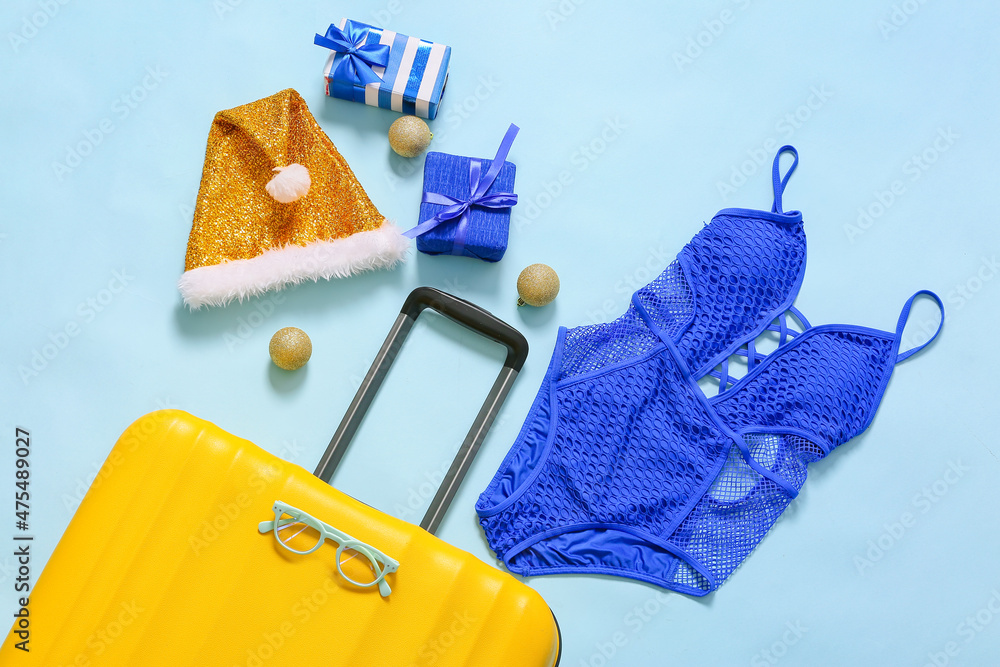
<point x="537" y="285"/>
<point x="409" y="136"/>
<point x="290" y="348"/>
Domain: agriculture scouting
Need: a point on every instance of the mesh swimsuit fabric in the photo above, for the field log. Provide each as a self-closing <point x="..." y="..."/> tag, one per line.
<point x="605" y="468"/>
<point x="624" y="467"/>
<point x="813" y="396"/>
<point x="639" y="475"/>
<point x="734" y="277"/>
<point x="709" y="300"/>
<point x="726" y="285"/>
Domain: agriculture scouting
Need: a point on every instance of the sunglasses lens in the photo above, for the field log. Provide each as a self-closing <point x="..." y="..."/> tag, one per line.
<point x="296" y="535"/>
<point x="358" y="568"/>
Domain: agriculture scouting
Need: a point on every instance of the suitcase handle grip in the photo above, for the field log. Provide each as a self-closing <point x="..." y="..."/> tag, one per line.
<point x="470" y="316"/>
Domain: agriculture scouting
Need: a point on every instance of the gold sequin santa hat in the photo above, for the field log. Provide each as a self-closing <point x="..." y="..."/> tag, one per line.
<point x="278" y="204"/>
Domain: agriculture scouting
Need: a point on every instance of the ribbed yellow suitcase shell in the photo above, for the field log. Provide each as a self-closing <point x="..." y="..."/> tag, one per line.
<point x="163" y="565"/>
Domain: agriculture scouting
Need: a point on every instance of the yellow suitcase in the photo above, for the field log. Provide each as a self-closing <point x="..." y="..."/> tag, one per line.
<point x="164" y="563"/>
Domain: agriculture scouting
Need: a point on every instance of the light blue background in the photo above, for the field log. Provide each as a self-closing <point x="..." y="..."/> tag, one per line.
<point x="673" y="131"/>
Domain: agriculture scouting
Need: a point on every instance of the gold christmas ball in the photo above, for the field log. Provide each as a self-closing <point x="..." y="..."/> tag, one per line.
<point x="290" y="348"/>
<point x="409" y="136"/>
<point x="537" y="285"/>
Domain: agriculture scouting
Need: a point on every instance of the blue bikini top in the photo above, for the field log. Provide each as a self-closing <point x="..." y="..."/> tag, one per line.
<point x="738" y="275"/>
<point x="625" y="467"/>
<point x="794" y="406"/>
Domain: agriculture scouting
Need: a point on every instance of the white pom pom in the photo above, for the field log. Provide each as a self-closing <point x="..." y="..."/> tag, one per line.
<point x="289" y="183"/>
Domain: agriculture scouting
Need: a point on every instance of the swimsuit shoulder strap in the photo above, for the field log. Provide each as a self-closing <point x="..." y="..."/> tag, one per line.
<point x="778" y="181"/>
<point x="904" y="315"/>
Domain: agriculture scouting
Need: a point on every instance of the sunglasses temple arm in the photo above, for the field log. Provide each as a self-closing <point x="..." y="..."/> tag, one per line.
<point x="268" y="526"/>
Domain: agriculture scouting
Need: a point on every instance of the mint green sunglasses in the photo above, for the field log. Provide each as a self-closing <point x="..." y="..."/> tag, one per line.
<point x="303" y="534"/>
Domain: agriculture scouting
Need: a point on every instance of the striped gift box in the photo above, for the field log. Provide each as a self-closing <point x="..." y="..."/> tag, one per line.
<point x="412" y="82"/>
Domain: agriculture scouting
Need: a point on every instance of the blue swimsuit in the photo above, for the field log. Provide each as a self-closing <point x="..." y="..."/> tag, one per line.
<point x="624" y="467"/>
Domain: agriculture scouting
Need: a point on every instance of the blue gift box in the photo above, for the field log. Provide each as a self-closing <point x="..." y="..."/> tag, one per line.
<point x="485" y="230"/>
<point x="382" y="68"/>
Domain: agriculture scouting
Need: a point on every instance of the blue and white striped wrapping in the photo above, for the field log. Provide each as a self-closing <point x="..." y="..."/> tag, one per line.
<point x="412" y="82"/>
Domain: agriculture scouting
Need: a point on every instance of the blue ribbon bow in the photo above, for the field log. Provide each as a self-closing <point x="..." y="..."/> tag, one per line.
<point x="359" y="58"/>
<point x="460" y="208"/>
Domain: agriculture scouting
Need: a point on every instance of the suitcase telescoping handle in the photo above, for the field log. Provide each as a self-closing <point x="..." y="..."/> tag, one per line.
<point x="470" y="316"/>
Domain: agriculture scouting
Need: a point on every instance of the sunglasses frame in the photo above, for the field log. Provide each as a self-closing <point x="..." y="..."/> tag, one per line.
<point x="381" y="564"/>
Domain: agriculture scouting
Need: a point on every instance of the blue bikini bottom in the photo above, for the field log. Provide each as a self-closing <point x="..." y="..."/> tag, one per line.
<point x="628" y="469"/>
<point x="605" y="469"/>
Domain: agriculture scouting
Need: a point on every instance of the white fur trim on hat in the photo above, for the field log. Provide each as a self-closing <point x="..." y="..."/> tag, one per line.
<point x="238" y="279"/>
